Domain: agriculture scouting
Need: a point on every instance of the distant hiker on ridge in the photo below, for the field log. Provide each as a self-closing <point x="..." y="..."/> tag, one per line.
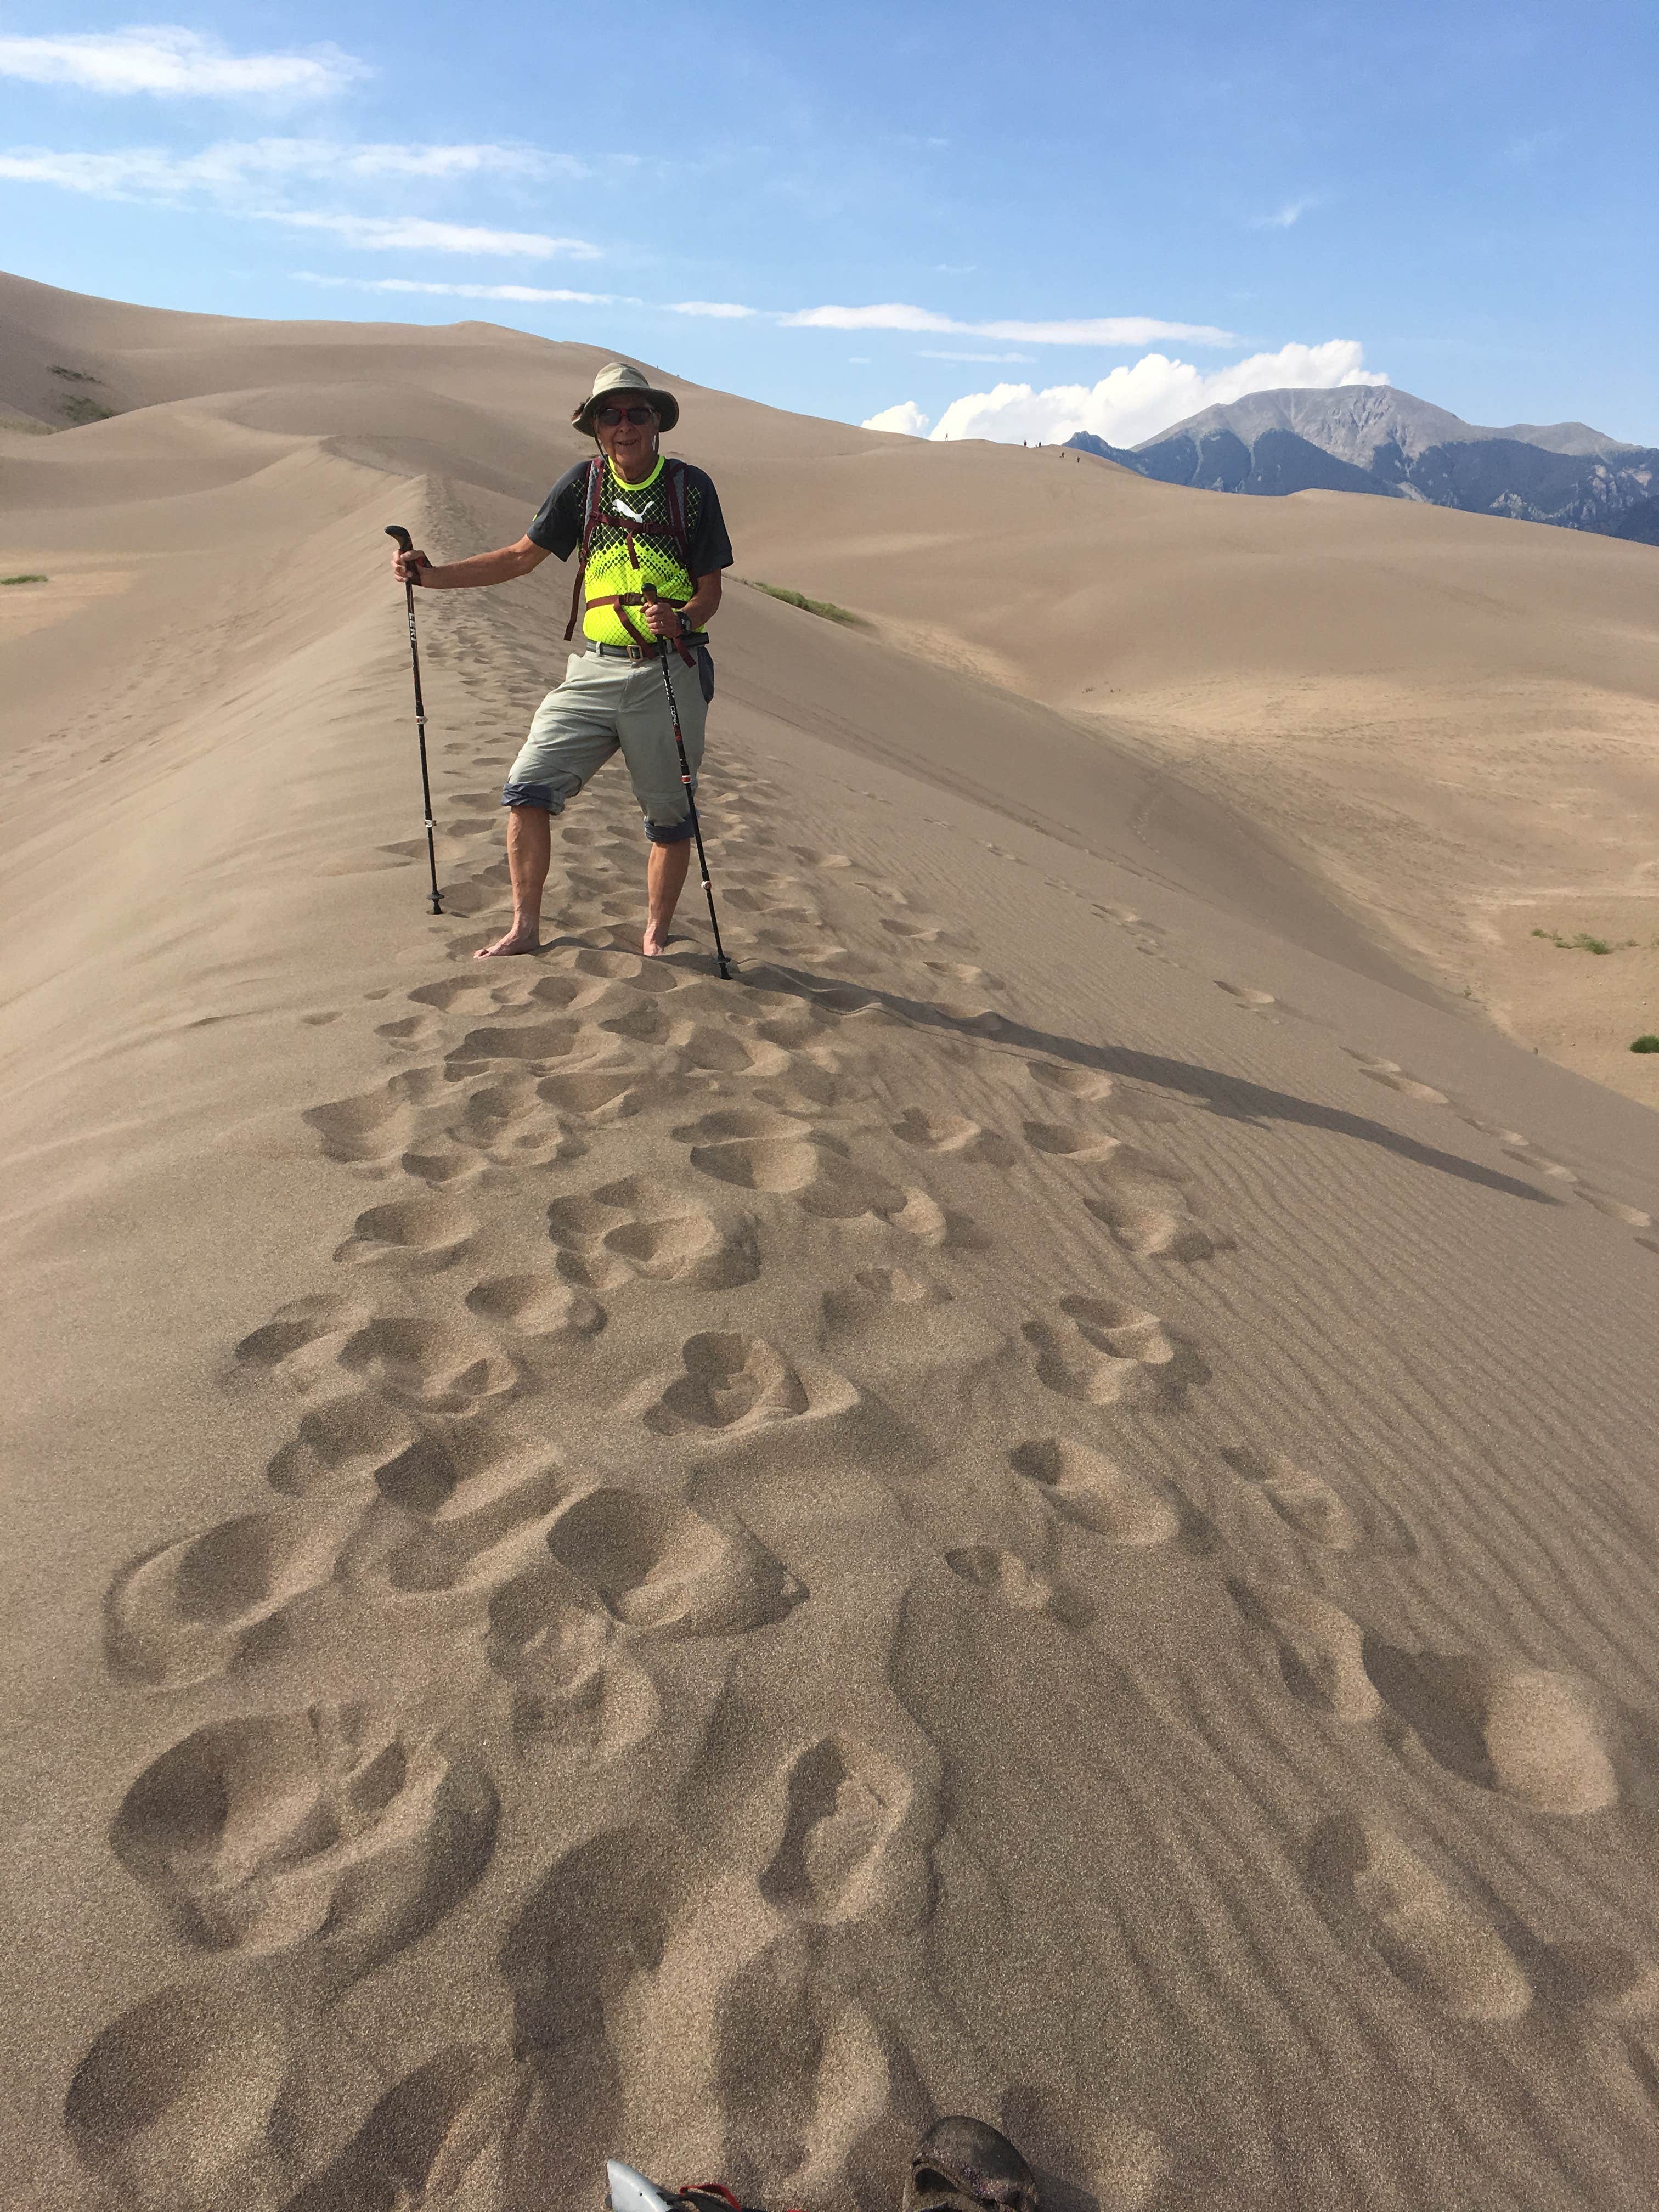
<point x="636" y="519"/>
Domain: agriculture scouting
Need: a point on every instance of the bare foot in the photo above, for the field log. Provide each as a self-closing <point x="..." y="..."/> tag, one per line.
<point x="656" y="938"/>
<point x="516" y="940"/>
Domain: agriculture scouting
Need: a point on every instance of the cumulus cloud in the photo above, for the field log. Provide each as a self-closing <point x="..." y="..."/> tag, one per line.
<point x="723" y="311"/>
<point x="907" y="416"/>
<point x="1137" y="401"/>
<point x="1091" y="330"/>
<point x="530" y="292"/>
<point x="165" y="59"/>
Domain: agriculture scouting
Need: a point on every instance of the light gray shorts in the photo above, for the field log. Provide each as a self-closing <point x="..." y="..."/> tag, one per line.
<point x="603" y="707"/>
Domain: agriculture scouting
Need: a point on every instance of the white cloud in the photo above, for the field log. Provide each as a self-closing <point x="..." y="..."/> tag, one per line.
<point x="530" y="292"/>
<point x="905" y="417"/>
<point x="417" y="235"/>
<point x="1091" y="330"/>
<point x="722" y="310"/>
<point x="235" y="168"/>
<point x="165" y="59"/>
<point x="1137" y="401"/>
<point x="1292" y="212"/>
<point x="927" y="353"/>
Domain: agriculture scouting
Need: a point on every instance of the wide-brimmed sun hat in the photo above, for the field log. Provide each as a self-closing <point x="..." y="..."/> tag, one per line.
<point x="618" y="380"/>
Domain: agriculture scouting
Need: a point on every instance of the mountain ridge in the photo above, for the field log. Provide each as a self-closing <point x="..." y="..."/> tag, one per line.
<point x="1375" y="439"/>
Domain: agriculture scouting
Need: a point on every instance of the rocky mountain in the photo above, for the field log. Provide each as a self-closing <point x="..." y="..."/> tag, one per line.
<point x="1371" y="438"/>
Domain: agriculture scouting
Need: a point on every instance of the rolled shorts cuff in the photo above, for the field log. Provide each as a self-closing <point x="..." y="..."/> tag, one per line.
<point x="531" y="794"/>
<point x="668" y="833"/>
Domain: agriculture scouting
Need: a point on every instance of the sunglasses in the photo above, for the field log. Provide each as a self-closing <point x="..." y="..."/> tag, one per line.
<point x="611" y="415"/>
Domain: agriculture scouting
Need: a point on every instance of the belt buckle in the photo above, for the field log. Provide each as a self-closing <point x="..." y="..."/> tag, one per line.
<point x="637" y="654"/>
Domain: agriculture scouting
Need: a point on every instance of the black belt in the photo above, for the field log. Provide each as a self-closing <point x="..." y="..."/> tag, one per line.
<point x="640" y="653"/>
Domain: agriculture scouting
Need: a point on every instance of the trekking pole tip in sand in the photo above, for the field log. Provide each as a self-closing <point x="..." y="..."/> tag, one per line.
<point x="406" y="544"/>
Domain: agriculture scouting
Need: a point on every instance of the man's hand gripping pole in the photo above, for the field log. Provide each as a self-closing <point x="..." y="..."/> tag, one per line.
<point x="406" y="544"/>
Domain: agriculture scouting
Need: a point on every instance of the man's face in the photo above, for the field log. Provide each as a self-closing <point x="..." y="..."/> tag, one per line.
<point x="628" y="443"/>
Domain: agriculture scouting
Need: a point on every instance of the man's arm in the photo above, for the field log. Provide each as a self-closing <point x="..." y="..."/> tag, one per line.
<point x="664" y="621"/>
<point x="498" y="568"/>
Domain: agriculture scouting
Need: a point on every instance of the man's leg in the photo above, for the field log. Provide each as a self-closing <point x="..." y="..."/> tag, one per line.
<point x="572" y="733"/>
<point x="529" y="850"/>
<point x="647" y="733"/>
<point x="664" y="879"/>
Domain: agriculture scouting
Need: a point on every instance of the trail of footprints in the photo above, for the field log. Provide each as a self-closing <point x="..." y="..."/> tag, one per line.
<point x="557" y="1149"/>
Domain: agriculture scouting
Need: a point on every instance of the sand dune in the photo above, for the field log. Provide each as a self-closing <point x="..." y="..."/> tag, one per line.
<point x="1041" y="1505"/>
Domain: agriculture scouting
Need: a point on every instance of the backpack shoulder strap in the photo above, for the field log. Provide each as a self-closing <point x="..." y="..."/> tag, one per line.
<point x="590" y="523"/>
<point x="674" y="501"/>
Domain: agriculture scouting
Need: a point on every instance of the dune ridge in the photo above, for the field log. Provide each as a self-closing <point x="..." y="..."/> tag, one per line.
<point x="1040" y="1506"/>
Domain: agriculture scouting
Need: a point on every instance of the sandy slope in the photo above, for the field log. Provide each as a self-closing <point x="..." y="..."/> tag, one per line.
<point x="1043" y="1505"/>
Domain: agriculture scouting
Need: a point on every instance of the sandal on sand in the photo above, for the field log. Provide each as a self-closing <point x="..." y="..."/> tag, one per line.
<point x="965" y="2166"/>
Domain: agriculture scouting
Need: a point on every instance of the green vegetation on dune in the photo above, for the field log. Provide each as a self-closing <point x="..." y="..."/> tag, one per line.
<point x="24" y="580"/>
<point x="1648" y="1043"/>
<point x="827" y="608"/>
<point x="73" y="375"/>
<point x="1584" y="942"/>
<point x="78" y="408"/>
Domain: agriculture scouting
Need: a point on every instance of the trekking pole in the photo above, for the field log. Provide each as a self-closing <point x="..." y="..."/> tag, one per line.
<point x="648" y="593"/>
<point x="406" y="544"/>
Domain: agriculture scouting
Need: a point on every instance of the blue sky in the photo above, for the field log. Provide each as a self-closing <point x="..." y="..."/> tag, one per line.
<point x="998" y="226"/>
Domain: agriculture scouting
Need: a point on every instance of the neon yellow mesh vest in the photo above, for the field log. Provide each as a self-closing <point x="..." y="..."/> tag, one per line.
<point x="632" y="534"/>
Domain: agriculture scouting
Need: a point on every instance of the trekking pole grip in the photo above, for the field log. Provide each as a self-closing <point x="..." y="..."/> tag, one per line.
<point x="405" y="543"/>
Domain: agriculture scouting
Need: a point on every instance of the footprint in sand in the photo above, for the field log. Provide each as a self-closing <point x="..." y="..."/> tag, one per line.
<point x="576" y="1695"/>
<point x="1304" y="1503"/>
<point x="802" y="2064"/>
<point x="415" y="1233"/>
<point x="1319" y="1650"/>
<point x="1425" y="1933"/>
<point x="1103" y="1351"/>
<point x="1393" y="1077"/>
<point x="845" y="1805"/>
<point x="539" y="1045"/>
<point x="1140" y="1223"/>
<point x="325" y="1826"/>
<point x="370" y="1130"/>
<point x="605" y="1095"/>
<point x="443" y="2135"/>
<point x="730" y="1382"/>
<point x="341" y="1446"/>
<point x="1059" y="1140"/>
<point x="1086" y="1084"/>
<point x="759" y="1148"/>
<point x="1248" y="996"/>
<point x="187" y="1613"/>
<point x="179" y="2092"/>
<point x="440" y="1170"/>
<point x="535" y="1308"/>
<point x="1524" y="1732"/>
<point x="1082" y="1484"/>
<point x="1010" y="1580"/>
<point x="637" y="1227"/>
<point x="302" y="1340"/>
<point x="953" y="1134"/>
<point x="479" y="1536"/>
<point x="413" y="1033"/>
<point x="658" y="1565"/>
<point x="434" y="1366"/>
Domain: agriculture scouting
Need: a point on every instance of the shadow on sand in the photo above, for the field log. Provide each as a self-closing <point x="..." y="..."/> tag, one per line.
<point x="1231" y="1096"/>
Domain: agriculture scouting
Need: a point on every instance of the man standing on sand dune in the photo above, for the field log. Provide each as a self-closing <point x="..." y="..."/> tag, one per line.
<point x="636" y="519"/>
